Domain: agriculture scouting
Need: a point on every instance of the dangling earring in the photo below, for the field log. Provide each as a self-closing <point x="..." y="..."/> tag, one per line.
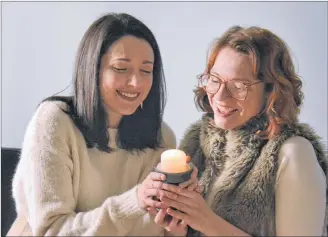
<point x="141" y="105"/>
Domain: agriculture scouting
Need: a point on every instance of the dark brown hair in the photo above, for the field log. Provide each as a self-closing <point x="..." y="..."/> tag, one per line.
<point x="136" y="132"/>
<point x="272" y="64"/>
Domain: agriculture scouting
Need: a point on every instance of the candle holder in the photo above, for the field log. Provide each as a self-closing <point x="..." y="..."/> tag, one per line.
<point x="176" y="178"/>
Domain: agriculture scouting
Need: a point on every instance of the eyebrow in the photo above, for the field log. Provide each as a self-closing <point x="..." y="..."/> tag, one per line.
<point x="236" y="78"/>
<point x="128" y="60"/>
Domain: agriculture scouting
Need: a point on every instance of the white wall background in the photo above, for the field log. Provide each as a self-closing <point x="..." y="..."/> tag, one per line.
<point x="39" y="41"/>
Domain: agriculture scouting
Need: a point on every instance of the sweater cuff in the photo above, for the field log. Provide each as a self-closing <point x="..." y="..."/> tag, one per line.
<point x="127" y="205"/>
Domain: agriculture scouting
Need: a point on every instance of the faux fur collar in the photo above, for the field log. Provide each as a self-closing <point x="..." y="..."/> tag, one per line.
<point x="238" y="169"/>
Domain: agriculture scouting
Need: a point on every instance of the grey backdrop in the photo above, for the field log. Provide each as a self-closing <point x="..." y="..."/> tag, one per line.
<point x="39" y="41"/>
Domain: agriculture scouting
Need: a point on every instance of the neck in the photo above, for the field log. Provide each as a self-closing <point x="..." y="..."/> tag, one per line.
<point x="114" y="120"/>
<point x="254" y="124"/>
<point x="250" y="127"/>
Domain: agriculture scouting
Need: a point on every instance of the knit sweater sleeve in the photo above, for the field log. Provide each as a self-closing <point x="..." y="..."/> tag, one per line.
<point x="50" y="194"/>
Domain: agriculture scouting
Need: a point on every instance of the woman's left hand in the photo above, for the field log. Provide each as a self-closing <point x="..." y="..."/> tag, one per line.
<point x="192" y="183"/>
<point x="193" y="210"/>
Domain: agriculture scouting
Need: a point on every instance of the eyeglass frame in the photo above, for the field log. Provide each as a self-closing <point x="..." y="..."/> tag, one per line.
<point x="246" y="84"/>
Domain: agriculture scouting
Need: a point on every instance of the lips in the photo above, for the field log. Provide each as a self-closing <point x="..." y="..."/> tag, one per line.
<point x="129" y="96"/>
<point x="226" y="111"/>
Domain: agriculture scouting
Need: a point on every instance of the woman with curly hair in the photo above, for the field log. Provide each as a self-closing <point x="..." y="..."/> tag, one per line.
<point x="264" y="173"/>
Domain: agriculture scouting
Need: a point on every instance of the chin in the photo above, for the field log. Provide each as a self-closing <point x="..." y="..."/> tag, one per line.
<point x="226" y="124"/>
<point x="127" y="112"/>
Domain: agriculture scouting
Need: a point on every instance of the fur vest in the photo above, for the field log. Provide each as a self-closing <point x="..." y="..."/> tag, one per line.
<point x="243" y="168"/>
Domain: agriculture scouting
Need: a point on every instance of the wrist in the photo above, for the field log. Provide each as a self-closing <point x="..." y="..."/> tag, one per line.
<point x="212" y="227"/>
<point x="176" y="234"/>
<point x="140" y="201"/>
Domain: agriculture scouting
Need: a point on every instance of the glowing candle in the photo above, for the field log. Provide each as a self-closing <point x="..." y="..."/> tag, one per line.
<point x="174" y="161"/>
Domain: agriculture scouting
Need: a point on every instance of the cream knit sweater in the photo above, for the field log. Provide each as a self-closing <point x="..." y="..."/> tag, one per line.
<point x="63" y="188"/>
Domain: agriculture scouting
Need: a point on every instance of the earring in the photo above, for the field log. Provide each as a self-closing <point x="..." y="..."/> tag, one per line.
<point x="141" y="105"/>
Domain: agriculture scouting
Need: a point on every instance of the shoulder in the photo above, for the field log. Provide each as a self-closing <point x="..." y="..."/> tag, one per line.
<point x="190" y="141"/>
<point x="50" y="117"/>
<point x="297" y="146"/>
<point x="49" y="134"/>
<point x="300" y="189"/>
<point x="193" y="141"/>
<point x="192" y="132"/>
<point x="168" y="136"/>
<point x="297" y="155"/>
<point x="51" y="110"/>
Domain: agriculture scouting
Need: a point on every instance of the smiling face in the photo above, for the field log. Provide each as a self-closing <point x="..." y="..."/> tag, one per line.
<point x="126" y="77"/>
<point x="230" y="113"/>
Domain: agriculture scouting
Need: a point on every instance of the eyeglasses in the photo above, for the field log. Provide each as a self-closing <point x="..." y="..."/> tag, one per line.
<point x="236" y="89"/>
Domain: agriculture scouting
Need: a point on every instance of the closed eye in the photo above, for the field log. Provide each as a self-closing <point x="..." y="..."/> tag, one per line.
<point x="119" y="69"/>
<point x="239" y="85"/>
<point x="146" y="71"/>
<point x="214" y="80"/>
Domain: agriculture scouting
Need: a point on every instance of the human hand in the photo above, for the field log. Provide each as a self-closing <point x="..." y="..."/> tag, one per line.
<point x="192" y="183"/>
<point x="172" y="225"/>
<point x="153" y="186"/>
<point x="192" y="209"/>
<point x="177" y="226"/>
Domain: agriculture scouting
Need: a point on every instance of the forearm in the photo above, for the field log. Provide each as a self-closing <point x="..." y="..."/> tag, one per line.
<point x="220" y="227"/>
<point x="167" y="233"/>
<point x="116" y="216"/>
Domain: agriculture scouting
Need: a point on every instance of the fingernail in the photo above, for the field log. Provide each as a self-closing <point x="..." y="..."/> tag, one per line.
<point x="163" y="177"/>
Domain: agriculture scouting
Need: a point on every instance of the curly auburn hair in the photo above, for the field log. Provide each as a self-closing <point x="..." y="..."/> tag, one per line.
<point x="272" y="63"/>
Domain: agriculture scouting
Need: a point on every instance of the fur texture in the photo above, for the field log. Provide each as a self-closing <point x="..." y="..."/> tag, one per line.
<point x="238" y="170"/>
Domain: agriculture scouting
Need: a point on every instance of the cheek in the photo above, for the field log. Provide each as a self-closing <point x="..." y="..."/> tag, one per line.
<point x="210" y="98"/>
<point x="109" y="84"/>
<point x="146" y="86"/>
<point x="252" y="105"/>
<point x="149" y="83"/>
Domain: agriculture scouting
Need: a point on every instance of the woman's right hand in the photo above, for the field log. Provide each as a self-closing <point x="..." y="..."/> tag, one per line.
<point x="153" y="186"/>
<point x="172" y="225"/>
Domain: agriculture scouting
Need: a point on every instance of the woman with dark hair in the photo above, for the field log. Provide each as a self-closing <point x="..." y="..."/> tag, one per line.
<point x="86" y="160"/>
<point x="264" y="173"/>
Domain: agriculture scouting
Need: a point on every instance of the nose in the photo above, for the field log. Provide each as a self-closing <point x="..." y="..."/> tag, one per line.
<point x="134" y="80"/>
<point x="222" y="93"/>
